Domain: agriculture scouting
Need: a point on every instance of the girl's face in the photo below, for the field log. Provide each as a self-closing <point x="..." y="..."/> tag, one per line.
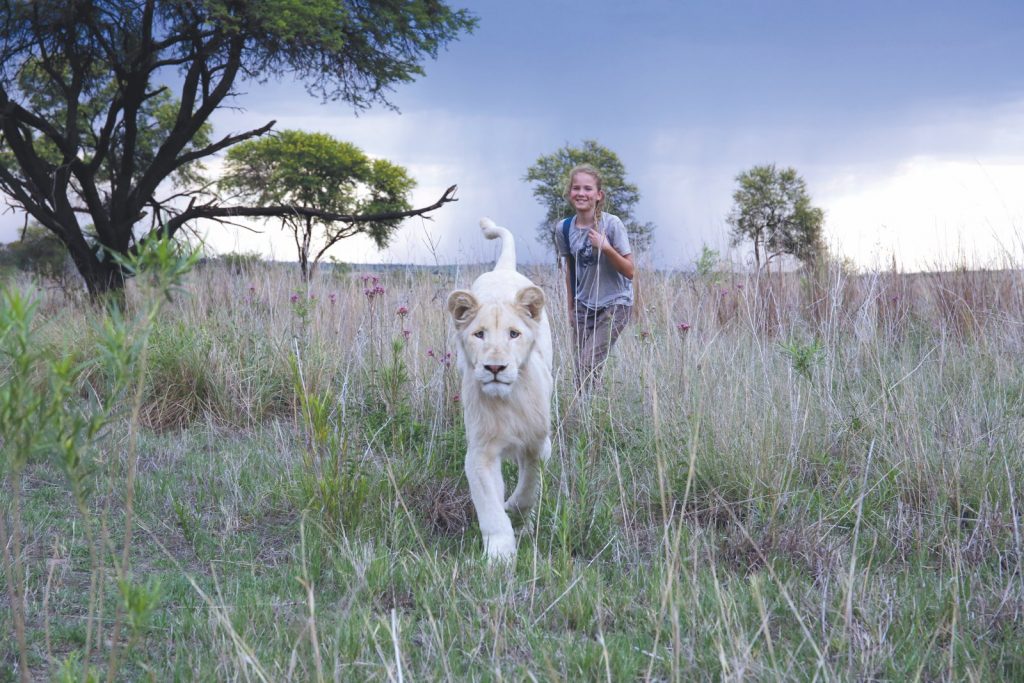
<point x="584" y="193"/>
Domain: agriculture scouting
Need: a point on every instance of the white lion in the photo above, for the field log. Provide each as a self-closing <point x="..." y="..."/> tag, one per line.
<point x="504" y="344"/>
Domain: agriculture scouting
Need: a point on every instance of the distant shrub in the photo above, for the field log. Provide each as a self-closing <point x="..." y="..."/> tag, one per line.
<point x="241" y="262"/>
<point x="338" y="269"/>
<point x="38" y="252"/>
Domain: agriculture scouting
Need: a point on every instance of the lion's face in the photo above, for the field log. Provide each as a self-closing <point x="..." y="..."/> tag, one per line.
<point x="496" y="339"/>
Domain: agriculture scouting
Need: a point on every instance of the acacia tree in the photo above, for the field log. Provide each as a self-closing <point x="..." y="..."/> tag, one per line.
<point x="550" y="173"/>
<point x="104" y="101"/>
<point x="772" y="209"/>
<point x="314" y="169"/>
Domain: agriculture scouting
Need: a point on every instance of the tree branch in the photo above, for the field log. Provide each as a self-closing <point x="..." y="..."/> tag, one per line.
<point x="213" y="211"/>
<point x="222" y="144"/>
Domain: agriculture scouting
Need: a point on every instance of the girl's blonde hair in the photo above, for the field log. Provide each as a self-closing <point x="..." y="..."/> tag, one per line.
<point x="591" y="171"/>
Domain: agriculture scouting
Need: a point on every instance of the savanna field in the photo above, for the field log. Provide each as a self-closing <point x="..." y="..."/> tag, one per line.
<point x="241" y="478"/>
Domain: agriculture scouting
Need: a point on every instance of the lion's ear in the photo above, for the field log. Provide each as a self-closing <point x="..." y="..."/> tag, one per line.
<point x="531" y="300"/>
<point x="463" y="306"/>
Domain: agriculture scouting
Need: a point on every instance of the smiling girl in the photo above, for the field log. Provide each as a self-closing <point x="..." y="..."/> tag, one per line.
<point x="599" y="272"/>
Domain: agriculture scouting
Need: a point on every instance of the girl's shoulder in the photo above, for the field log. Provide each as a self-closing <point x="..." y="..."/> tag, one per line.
<point x="610" y="220"/>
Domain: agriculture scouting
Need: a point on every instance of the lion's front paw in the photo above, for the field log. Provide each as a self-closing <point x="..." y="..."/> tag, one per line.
<point x="500" y="547"/>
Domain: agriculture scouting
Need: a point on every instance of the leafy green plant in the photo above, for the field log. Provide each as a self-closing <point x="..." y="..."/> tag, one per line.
<point x="707" y="265"/>
<point x="139" y="601"/>
<point x="393" y="378"/>
<point x="46" y="423"/>
<point x="804" y="356"/>
<point x="331" y="481"/>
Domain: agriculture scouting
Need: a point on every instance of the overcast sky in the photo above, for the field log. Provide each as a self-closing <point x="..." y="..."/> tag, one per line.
<point x="906" y="119"/>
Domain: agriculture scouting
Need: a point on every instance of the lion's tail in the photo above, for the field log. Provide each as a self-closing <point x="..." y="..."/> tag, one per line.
<point x="507" y="257"/>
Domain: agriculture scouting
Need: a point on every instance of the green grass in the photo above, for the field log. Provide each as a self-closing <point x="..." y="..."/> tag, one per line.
<point x="779" y="492"/>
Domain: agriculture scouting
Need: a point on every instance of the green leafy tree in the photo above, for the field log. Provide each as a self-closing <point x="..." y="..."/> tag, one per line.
<point x="773" y="210"/>
<point x="314" y="169"/>
<point x="105" y="104"/>
<point x="551" y="172"/>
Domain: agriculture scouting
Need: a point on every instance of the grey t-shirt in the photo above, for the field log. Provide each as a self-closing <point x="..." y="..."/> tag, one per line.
<point x="598" y="284"/>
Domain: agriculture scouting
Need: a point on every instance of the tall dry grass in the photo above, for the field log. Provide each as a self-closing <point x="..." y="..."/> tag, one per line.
<point x="797" y="477"/>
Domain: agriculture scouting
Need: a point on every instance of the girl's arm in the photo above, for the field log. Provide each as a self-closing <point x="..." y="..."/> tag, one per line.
<point x="623" y="264"/>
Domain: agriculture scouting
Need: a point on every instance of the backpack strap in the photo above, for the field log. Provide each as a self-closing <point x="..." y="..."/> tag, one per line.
<point x="570" y="260"/>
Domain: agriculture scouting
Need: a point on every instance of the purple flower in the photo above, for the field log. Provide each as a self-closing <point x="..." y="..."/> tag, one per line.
<point x="430" y="353"/>
<point x="295" y="298"/>
<point x="406" y="333"/>
<point x="683" y="327"/>
<point x="333" y="297"/>
<point x="402" y="311"/>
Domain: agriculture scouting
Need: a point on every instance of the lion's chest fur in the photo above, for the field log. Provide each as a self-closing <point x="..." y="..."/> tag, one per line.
<point x="520" y="419"/>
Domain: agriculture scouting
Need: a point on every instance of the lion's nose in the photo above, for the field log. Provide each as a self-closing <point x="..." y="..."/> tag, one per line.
<point x="495" y="369"/>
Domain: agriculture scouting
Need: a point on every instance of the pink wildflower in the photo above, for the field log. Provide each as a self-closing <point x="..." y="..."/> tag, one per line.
<point x="402" y="311"/>
<point x="683" y="327"/>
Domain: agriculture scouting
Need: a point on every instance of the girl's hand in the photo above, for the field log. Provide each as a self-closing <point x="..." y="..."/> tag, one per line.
<point x="597" y="238"/>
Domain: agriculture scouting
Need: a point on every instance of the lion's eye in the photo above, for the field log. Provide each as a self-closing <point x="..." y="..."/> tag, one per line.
<point x="514" y="334"/>
<point x="479" y="334"/>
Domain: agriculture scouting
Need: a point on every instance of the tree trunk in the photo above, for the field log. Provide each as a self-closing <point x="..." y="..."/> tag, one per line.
<point x="101" y="277"/>
<point x="307" y="238"/>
